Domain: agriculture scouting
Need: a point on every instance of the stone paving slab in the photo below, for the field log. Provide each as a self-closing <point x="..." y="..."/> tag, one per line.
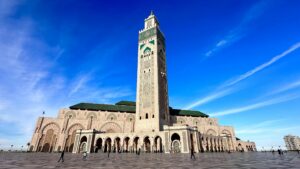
<point x="249" y="160"/>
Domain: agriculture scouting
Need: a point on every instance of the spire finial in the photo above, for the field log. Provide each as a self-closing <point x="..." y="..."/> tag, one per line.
<point x="151" y="12"/>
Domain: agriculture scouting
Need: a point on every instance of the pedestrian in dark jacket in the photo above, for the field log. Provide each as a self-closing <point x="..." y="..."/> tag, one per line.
<point x="193" y="154"/>
<point x="61" y="156"/>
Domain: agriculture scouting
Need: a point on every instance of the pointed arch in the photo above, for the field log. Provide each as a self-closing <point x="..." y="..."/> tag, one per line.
<point x="111" y="127"/>
<point x="147" y="50"/>
<point x="71" y="133"/>
<point x="48" y="139"/>
<point x="211" y="132"/>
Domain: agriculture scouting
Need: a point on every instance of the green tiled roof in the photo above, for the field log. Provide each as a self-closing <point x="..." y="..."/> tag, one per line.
<point x="179" y="112"/>
<point x="129" y="106"/>
<point x="126" y="103"/>
<point x="104" y="107"/>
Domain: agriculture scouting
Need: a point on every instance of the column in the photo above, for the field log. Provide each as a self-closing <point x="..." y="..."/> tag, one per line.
<point x="76" y="144"/>
<point x="89" y="144"/>
<point x="51" y="143"/>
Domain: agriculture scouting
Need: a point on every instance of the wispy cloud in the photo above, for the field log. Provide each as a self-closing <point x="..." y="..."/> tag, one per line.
<point x="240" y="30"/>
<point x="212" y="96"/>
<point x="31" y="80"/>
<point x="79" y="83"/>
<point x="227" y="87"/>
<point x="286" y="87"/>
<point x="258" y="128"/>
<point x="262" y="66"/>
<point x="256" y="105"/>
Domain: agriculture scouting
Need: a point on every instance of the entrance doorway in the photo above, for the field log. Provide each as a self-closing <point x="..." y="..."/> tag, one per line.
<point x="176" y="144"/>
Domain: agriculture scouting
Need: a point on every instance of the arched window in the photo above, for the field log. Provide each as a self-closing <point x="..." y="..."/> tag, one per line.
<point x="153" y="116"/>
<point x="175" y="136"/>
<point x="147" y="50"/>
<point x="146" y="115"/>
<point x="140" y="117"/>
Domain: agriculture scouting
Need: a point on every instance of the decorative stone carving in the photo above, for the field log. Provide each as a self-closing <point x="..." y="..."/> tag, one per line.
<point x="74" y="127"/>
<point x="70" y="114"/>
<point x="111" y="127"/>
<point x="211" y="132"/>
<point x="53" y="126"/>
<point x="111" y="117"/>
<point x="92" y="114"/>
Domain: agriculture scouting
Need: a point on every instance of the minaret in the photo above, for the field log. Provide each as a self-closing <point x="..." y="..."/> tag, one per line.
<point x="152" y="102"/>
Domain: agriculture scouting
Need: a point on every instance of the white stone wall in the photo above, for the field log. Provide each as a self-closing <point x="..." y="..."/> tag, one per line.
<point x="115" y="123"/>
<point x="102" y="120"/>
<point x="245" y="146"/>
<point x="292" y="142"/>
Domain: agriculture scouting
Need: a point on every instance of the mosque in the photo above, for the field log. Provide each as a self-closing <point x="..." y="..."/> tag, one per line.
<point x="147" y="125"/>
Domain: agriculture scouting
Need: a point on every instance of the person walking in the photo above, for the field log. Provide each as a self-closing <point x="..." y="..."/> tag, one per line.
<point x="280" y="152"/>
<point x="61" y="156"/>
<point x="193" y="154"/>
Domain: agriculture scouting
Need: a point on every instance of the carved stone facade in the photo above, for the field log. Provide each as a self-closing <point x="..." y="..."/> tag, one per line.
<point x="292" y="143"/>
<point x="149" y="125"/>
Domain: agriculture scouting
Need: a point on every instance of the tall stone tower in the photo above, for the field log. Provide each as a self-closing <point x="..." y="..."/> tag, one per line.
<point x="152" y="105"/>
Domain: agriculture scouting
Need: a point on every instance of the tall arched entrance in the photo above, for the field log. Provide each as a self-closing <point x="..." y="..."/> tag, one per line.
<point x="176" y="144"/>
<point x="147" y="145"/>
<point x="69" y="144"/>
<point x="98" y="146"/>
<point x="48" y="139"/>
<point x="107" y="145"/>
<point x="126" y="144"/>
<point x="227" y="140"/>
<point x="117" y="145"/>
<point x="135" y="144"/>
<point x="83" y="144"/>
<point x="158" y="144"/>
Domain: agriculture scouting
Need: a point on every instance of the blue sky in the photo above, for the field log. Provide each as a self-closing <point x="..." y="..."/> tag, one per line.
<point x="234" y="60"/>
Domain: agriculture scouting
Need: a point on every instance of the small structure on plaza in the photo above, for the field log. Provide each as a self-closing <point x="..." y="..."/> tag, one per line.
<point x="149" y="124"/>
<point x="292" y="143"/>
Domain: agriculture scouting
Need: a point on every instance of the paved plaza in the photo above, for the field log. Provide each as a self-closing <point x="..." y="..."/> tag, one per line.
<point x="171" y="161"/>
